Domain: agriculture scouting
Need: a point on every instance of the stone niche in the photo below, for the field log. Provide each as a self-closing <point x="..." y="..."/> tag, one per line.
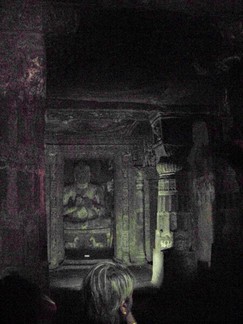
<point x="96" y="187"/>
<point x="88" y="209"/>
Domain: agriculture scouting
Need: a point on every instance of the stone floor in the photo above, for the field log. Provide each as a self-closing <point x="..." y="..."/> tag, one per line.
<point x="71" y="276"/>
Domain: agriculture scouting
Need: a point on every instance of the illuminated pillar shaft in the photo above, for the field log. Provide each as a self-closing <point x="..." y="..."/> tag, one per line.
<point x="166" y="209"/>
<point x="140" y="252"/>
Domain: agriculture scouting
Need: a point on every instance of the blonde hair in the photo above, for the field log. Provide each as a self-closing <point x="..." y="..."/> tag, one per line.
<point x="105" y="287"/>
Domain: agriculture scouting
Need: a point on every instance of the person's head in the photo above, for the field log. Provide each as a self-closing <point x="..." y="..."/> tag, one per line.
<point x="21" y="300"/>
<point x="107" y="291"/>
<point x="82" y="173"/>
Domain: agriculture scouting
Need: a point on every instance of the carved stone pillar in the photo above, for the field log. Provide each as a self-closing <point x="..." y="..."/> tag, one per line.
<point x="139" y="226"/>
<point x="166" y="155"/>
<point x="122" y="238"/>
<point x="54" y="189"/>
<point x="22" y="85"/>
<point x="166" y="215"/>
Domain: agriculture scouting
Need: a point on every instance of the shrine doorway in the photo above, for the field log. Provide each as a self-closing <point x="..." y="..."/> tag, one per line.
<point x="88" y="209"/>
<point x="84" y="236"/>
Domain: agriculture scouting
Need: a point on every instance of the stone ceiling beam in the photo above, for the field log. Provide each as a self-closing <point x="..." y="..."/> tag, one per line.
<point x="191" y="7"/>
<point x="140" y="108"/>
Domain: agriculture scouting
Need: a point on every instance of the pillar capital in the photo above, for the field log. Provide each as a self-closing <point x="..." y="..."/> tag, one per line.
<point x="169" y="150"/>
<point x="167" y="167"/>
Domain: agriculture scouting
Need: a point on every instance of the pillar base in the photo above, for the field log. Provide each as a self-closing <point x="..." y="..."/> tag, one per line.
<point x="158" y="268"/>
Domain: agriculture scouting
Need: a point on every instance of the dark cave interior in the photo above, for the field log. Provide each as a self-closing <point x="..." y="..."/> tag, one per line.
<point x="149" y="95"/>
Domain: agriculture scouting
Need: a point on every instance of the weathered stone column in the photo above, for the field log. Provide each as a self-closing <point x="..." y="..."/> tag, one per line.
<point x="54" y="186"/>
<point x="139" y="226"/>
<point x="22" y="85"/>
<point x="167" y="166"/>
<point x="166" y="216"/>
<point x="121" y="207"/>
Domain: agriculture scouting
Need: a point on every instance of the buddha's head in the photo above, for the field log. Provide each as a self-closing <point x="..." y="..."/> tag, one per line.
<point x="82" y="173"/>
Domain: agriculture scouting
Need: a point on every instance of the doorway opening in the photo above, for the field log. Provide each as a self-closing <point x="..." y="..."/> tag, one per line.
<point x="88" y="209"/>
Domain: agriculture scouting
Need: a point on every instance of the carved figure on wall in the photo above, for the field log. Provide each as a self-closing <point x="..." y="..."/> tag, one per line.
<point x="96" y="244"/>
<point x="74" y="244"/>
<point x="199" y="157"/>
<point x="149" y="156"/>
<point x="203" y="188"/>
<point x="166" y="241"/>
<point x="83" y="200"/>
<point x="157" y="131"/>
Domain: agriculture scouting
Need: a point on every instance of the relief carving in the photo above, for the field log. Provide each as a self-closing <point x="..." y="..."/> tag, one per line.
<point x="163" y="240"/>
<point x="173" y="221"/>
<point x="88" y="208"/>
<point x="166" y="242"/>
<point x="182" y="242"/>
<point x="101" y="123"/>
<point x="85" y="237"/>
<point x="149" y="155"/>
<point x="83" y="201"/>
<point x="29" y="79"/>
<point x="156" y="125"/>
